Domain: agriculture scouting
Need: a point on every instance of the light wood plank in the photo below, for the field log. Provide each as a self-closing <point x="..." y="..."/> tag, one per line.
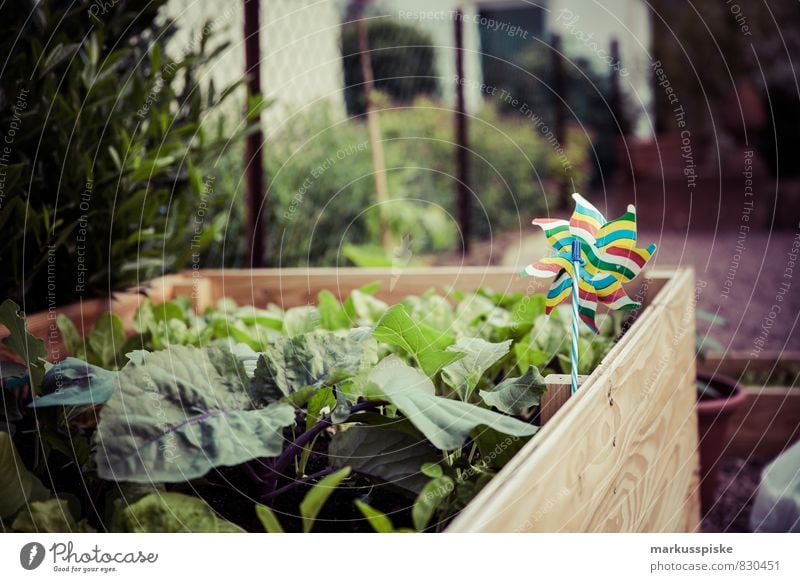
<point x="621" y="454"/>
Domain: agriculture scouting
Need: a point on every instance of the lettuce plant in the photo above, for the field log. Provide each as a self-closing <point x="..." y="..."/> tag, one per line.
<point x="340" y="416"/>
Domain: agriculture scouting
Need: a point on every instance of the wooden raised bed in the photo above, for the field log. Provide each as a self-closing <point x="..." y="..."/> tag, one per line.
<point x="621" y="455"/>
<point x="769" y="421"/>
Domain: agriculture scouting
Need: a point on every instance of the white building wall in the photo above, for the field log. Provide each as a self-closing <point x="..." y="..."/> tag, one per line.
<point x="300" y="56"/>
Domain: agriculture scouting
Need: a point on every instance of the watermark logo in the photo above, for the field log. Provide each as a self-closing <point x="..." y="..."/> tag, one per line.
<point x="31" y="555"/>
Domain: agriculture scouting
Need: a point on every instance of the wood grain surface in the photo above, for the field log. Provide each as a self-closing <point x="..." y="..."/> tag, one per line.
<point x="621" y="455"/>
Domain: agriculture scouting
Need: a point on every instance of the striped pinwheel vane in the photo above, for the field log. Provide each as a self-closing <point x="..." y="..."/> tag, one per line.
<point x="593" y="258"/>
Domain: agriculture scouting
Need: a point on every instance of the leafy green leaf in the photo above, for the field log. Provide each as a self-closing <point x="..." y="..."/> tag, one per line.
<point x="392" y="456"/>
<point x="446" y="423"/>
<point x="425" y="343"/>
<point x="516" y="395"/>
<point x="70" y="336"/>
<point x="366" y="309"/>
<point x="172" y="513"/>
<point x="180" y="412"/>
<point x="312" y="359"/>
<point x="18" y="486"/>
<point x="435" y="492"/>
<point x="331" y="314"/>
<point x="107" y="338"/>
<point x="479" y="355"/>
<point x="497" y="448"/>
<point x="527" y="356"/>
<point x="73" y="382"/>
<point x="22" y="343"/>
<point x="379" y="521"/>
<point x="300" y="320"/>
<point x="317" y="496"/>
<point x="51" y="516"/>
<point x="432" y="470"/>
<point x="268" y="519"/>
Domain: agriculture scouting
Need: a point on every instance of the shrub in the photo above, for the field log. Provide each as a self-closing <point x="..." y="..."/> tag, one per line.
<point x="402" y="58"/>
<point x="103" y="185"/>
<point x="321" y="193"/>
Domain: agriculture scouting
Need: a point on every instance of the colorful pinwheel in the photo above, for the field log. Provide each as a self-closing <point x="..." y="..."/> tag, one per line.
<point x="604" y="255"/>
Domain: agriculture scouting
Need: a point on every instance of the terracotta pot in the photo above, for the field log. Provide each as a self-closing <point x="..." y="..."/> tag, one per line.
<point x="713" y="417"/>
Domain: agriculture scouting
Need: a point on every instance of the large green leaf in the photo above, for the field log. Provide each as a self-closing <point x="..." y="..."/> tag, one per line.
<point x="392" y="456"/>
<point x="180" y="412"/>
<point x="430" y="498"/>
<point x="73" y="382"/>
<point x="172" y="513"/>
<point x="446" y="423"/>
<point x="331" y="313"/>
<point x="18" y="486"/>
<point x="51" y="516"/>
<point x="479" y="355"/>
<point x="426" y="344"/>
<point x="317" y="496"/>
<point x="268" y="519"/>
<point x="22" y="343"/>
<point x="70" y="336"/>
<point x="300" y="320"/>
<point x="107" y="339"/>
<point x="312" y="359"/>
<point x="516" y="395"/>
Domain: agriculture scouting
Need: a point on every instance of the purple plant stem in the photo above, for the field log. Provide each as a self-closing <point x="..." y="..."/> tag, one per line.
<point x="295" y="447"/>
<point x="297" y="483"/>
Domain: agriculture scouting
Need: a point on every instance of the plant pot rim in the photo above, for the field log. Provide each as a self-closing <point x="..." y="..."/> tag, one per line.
<point x="736" y="394"/>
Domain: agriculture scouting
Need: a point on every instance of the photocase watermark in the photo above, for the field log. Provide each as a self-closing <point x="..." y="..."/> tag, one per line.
<point x="20" y="104"/>
<point x="53" y="336"/>
<point x="687" y="153"/>
<point x="783" y="289"/>
<point x="401" y="257"/>
<point x="522" y="107"/>
<point x="101" y="8"/>
<point x="168" y="443"/>
<point x="744" y="226"/>
<point x="686" y="327"/>
<point x="570" y="20"/>
<point x="81" y="237"/>
<point x="67" y="559"/>
<point x="297" y="200"/>
<point x="511" y="30"/>
<point x="199" y="221"/>
<point x="738" y="15"/>
<point x="168" y="71"/>
<point x="31" y="555"/>
<point x="545" y="508"/>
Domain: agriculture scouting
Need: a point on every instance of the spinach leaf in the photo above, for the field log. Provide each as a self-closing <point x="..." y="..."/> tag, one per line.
<point x="313" y="359"/>
<point x="179" y="413"/>
<point x="516" y="395"/>
<point x="479" y="355"/>
<point x="426" y="344"/>
<point x="445" y="423"/>
<point x="73" y="382"/>
<point x="392" y="456"/>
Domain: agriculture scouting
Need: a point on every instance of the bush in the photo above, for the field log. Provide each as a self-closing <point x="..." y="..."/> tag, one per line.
<point x="402" y="58"/>
<point x="321" y="193"/>
<point x="104" y="184"/>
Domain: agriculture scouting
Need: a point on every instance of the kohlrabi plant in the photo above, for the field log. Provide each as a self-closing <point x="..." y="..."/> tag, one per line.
<point x="344" y="416"/>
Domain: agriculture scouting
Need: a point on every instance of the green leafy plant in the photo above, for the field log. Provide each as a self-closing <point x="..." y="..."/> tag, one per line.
<point x="129" y="153"/>
<point x="390" y="417"/>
